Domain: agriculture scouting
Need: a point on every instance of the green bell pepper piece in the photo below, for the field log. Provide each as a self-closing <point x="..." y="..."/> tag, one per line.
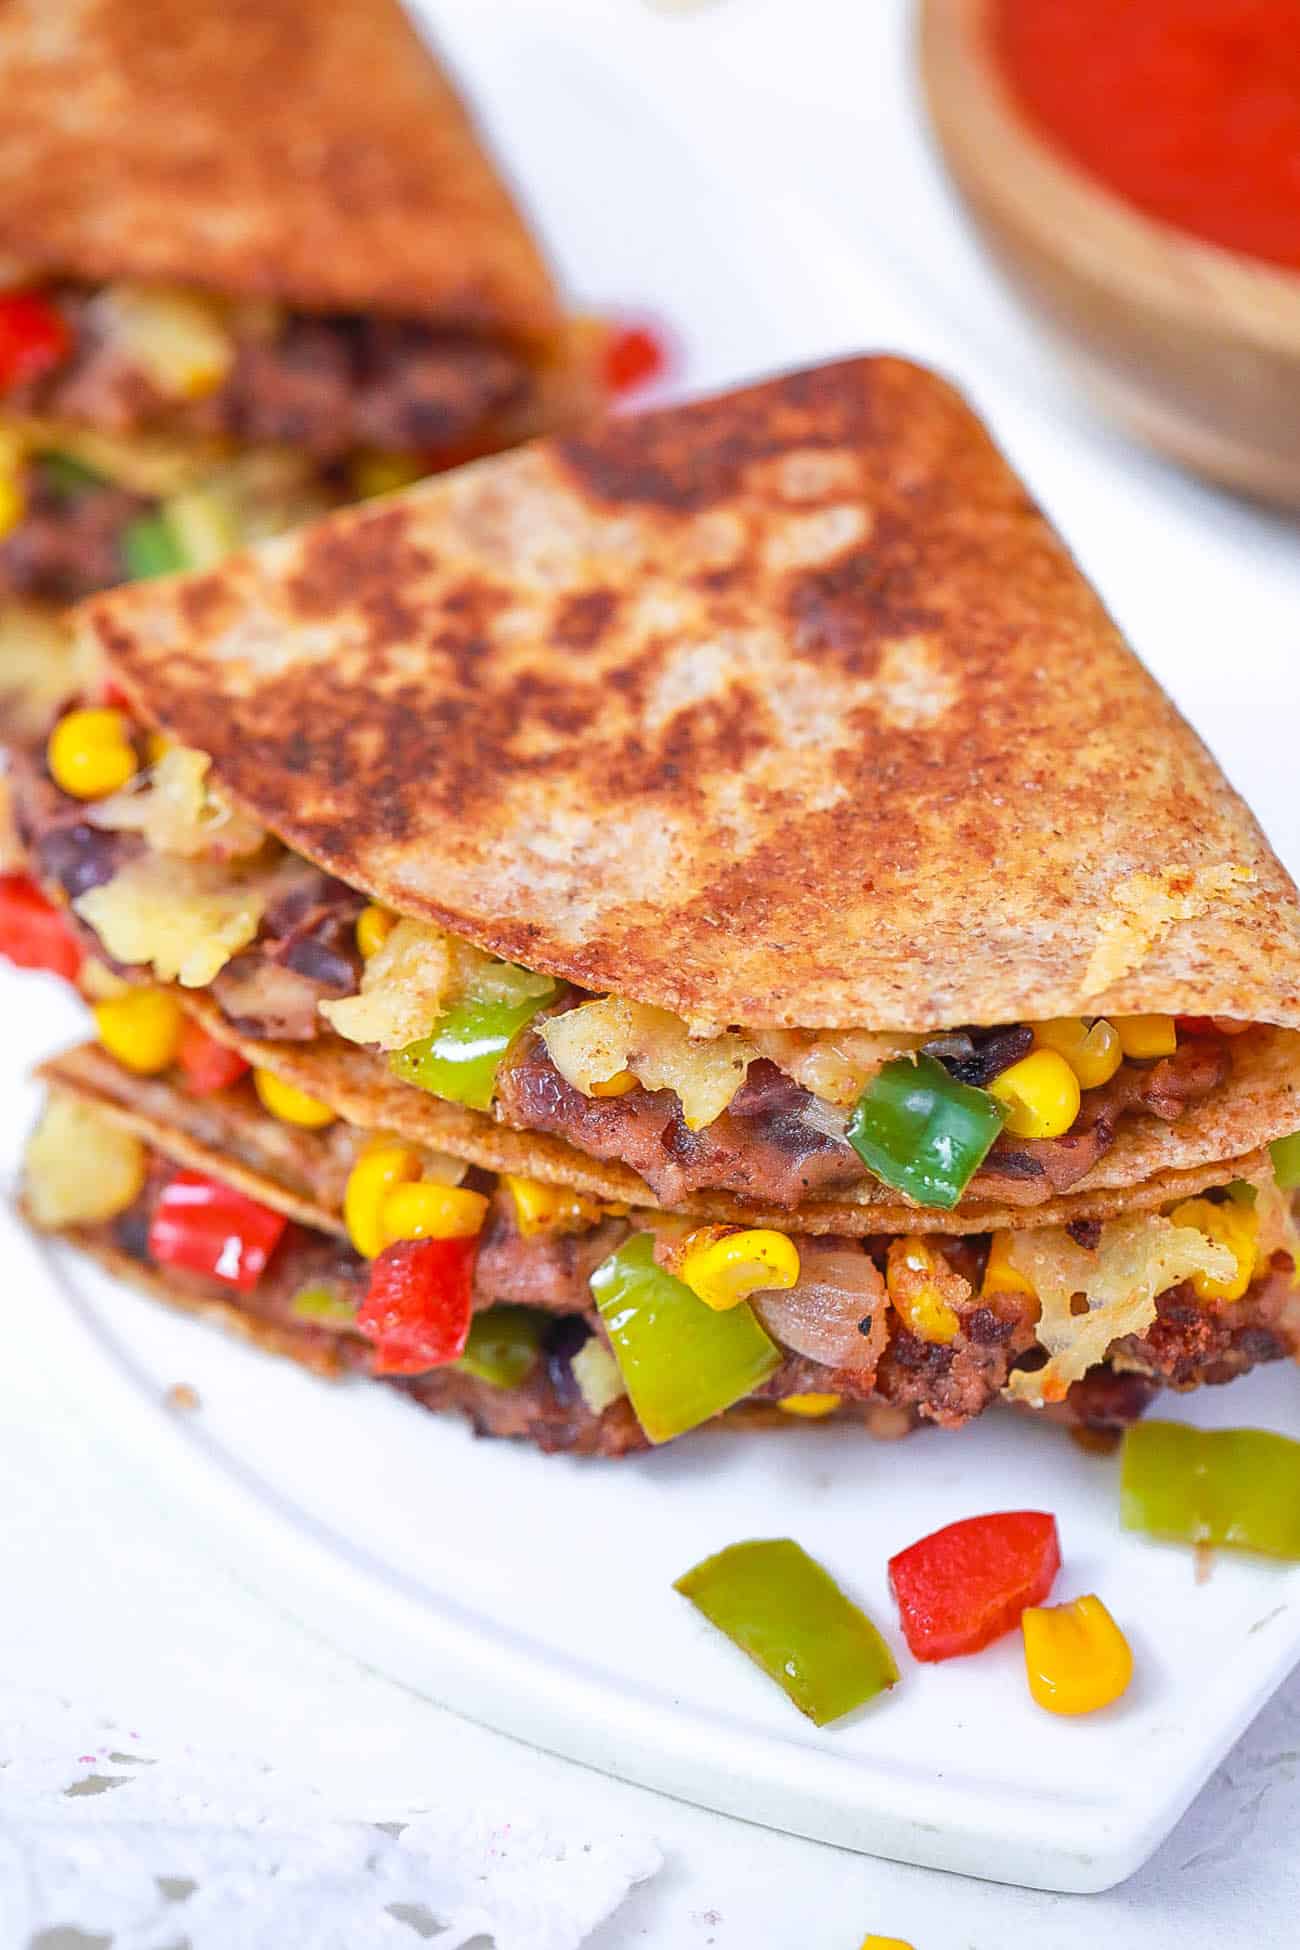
<point x="460" y="1060"/>
<point x="921" y="1131"/>
<point x="681" y="1362"/>
<point x="791" y="1618"/>
<point x="149" y="548"/>
<point x="1285" y="1153"/>
<point x="324" y="1303"/>
<point x="503" y="1344"/>
<point x="67" y="477"/>
<point x="1237" y="1487"/>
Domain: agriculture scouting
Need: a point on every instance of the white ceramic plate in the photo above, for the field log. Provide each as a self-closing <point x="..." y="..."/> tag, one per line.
<point x="535" y="1593"/>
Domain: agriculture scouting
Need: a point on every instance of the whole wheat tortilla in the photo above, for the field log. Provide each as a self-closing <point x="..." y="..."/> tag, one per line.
<point x="787" y="707"/>
<point x="310" y="152"/>
<point x="1149" y="1165"/>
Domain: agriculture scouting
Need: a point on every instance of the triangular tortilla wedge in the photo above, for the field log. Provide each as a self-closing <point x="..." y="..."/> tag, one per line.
<point x="231" y="1138"/>
<point x="785" y="708"/>
<point x="308" y="152"/>
<point x="1149" y="1167"/>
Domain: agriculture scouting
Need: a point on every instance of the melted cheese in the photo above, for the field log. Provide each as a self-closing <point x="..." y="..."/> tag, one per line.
<point x="184" y="918"/>
<point x="1116" y="1288"/>
<point x="176" y="811"/>
<point x="595" y="1042"/>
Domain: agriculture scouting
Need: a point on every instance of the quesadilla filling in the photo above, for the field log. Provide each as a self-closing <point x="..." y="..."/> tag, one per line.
<point x="588" y="1325"/>
<point x="122" y="410"/>
<point x="165" y="880"/>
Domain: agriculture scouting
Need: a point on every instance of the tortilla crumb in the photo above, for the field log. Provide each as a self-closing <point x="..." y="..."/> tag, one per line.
<point x="183" y="1398"/>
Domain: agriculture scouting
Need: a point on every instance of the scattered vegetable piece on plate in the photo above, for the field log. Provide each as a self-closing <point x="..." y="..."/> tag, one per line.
<point x="1235" y="1487"/>
<point x="790" y="1617"/>
<point x="1076" y="1658"/>
<point x="965" y="1585"/>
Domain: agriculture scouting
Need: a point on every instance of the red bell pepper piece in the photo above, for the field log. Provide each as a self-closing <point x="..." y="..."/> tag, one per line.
<point x="633" y="355"/>
<point x="964" y="1586"/>
<point x="419" y="1304"/>
<point x="206" y="1064"/>
<point x="1195" y="1026"/>
<point x="204" y="1226"/>
<point x="34" y="933"/>
<point x="34" y="338"/>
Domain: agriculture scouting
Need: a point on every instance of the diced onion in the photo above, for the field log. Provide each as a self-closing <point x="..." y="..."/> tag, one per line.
<point x="835" y="1312"/>
<point x="185" y="918"/>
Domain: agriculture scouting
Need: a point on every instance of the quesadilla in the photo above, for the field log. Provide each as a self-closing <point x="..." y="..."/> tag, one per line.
<point x="253" y="262"/>
<point x="217" y="1203"/>
<point x="746" y="809"/>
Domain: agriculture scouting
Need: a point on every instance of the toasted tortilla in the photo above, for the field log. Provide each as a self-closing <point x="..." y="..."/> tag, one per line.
<point x="323" y="1354"/>
<point x="299" y="1172"/>
<point x="1150" y="1165"/>
<point x="783" y="708"/>
<point x="310" y="153"/>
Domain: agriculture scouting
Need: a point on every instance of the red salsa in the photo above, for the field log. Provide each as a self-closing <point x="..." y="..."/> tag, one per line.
<point x="1189" y="109"/>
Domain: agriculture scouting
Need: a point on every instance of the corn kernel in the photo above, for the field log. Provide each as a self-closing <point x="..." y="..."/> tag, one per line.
<point x="1147" y="1035"/>
<point x="1041" y="1093"/>
<point x="549" y="1208"/>
<point x="374" y="925"/>
<point x="427" y="1211"/>
<point x="289" y="1104"/>
<point x="884" y="1943"/>
<point x="910" y="1278"/>
<point x="141" y="1028"/>
<point x="616" y="1086"/>
<point x="1076" y="1657"/>
<point x="12" y="505"/>
<point x="723" y="1268"/>
<point x="380" y="473"/>
<point x="157" y="745"/>
<point x="1232" y="1225"/>
<point x="381" y="1166"/>
<point x="90" y="754"/>
<point x="1000" y="1275"/>
<point x="812" y="1405"/>
<point x="1092" y="1050"/>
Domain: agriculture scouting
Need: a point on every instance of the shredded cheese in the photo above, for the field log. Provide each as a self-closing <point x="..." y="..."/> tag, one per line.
<point x="176" y="811"/>
<point x="186" y="918"/>
<point x="1146" y="906"/>
<point x="405" y="986"/>
<point x="835" y="1064"/>
<point x="1136" y="1260"/>
<point x="599" y="1040"/>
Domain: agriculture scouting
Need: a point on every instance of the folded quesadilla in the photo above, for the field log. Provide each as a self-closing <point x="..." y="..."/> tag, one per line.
<point x="253" y="263"/>
<point x="237" y="1198"/>
<point x="746" y="809"/>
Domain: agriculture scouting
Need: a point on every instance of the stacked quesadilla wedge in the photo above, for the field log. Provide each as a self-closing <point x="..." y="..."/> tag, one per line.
<point x="745" y="822"/>
<point x="253" y="262"/>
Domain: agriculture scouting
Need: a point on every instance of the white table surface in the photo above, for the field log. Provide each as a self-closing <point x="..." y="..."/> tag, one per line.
<point x="782" y="115"/>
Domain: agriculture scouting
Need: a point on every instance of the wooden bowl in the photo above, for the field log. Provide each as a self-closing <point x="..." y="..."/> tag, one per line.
<point x="1194" y="348"/>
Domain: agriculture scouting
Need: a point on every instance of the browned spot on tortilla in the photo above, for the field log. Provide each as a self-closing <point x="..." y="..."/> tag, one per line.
<point x="582" y="619"/>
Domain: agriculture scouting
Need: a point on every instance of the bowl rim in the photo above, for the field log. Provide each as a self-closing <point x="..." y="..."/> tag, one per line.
<point x="1087" y="228"/>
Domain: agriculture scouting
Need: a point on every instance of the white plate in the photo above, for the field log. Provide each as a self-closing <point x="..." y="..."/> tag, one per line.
<point x="535" y="1593"/>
